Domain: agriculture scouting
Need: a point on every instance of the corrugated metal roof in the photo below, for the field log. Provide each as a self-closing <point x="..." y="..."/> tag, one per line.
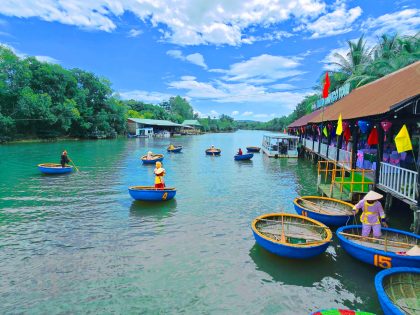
<point x="305" y="119"/>
<point x="191" y="122"/>
<point x="377" y="97"/>
<point x="156" y="122"/>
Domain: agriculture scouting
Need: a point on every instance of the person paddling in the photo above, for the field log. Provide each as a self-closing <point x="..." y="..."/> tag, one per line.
<point x="239" y="152"/>
<point x="212" y="149"/>
<point x="171" y="147"/>
<point x="373" y="214"/>
<point x="64" y="159"/>
<point x="159" y="172"/>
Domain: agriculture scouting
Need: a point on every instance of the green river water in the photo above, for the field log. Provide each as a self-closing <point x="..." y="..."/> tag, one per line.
<point x="78" y="243"/>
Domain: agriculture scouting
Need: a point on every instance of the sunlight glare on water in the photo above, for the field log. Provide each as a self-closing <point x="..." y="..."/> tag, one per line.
<point x="78" y="243"/>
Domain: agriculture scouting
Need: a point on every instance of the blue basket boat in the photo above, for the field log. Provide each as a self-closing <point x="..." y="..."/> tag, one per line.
<point x="386" y="252"/>
<point x="335" y="311"/>
<point x="150" y="193"/>
<point x="243" y="157"/>
<point x="176" y="149"/>
<point x="325" y="210"/>
<point x="155" y="158"/>
<point x="399" y="290"/>
<point x="253" y="149"/>
<point x="305" y="238"/>
<point x="216" y="152"/>
<point x="53" y="168"/>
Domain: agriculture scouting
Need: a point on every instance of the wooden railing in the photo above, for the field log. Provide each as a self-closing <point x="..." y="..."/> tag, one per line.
<point x="352" y="182"/>
<point x="399" y="180"/>
<point x="336" y="166"/>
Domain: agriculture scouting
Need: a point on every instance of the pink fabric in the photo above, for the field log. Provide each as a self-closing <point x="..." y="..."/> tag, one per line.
<point x="394" y="161"/>
<point x="376" y="230"/>
<point x="360" y="157"/>
<point x="384" y="159"/>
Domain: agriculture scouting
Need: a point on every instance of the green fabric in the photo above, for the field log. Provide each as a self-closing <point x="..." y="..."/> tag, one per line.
<point x="356" y="187"/>
<point x="369" y="157"/>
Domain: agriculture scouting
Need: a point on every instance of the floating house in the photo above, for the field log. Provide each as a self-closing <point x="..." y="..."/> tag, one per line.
<point x="280" y="146"/>
<point x="195" y="124"/>
<point x="151" y="127"/>
<point x="365" y="156"/>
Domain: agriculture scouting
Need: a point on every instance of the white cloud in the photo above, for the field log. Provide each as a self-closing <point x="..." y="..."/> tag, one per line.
<point x="213" y="113"/>
<point x="235" y="112"/>
<point x="261" y="69"/>
<point x="6" y="34"/>
<point x="24" y="55"/>
<point x="272" y="115"/>
<point x="283" y="86"/>
<point x="247" y="113"/>
<point x="150" y="97"/>
<point x="47" y="59"/>
<point x="196" y="58"/>
<point x="296" y="79"/>
<point x="134" y="33"/>
<point x="183" y="22"/>
<point x="406" y="21"/>
<point x="260" y="115"/>
<point x="187" y="78"/>
<point x="250" y="39"/>
<point x="334" y="23"/>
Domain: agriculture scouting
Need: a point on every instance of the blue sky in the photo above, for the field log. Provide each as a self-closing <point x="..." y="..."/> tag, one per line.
<point x="250" y="59"/>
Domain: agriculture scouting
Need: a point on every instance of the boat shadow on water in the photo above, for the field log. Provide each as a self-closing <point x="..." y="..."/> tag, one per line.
<point x="148" y="209"/>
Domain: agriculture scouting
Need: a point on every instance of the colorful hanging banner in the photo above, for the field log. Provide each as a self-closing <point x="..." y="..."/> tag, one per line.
<point x="339" y="126"/>
<point x="402" y="140"/>
<point x="373" y="138"/>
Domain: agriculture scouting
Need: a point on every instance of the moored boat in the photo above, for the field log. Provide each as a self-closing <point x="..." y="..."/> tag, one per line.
<point x="325" y="210"/>
<point x="385" y="252"/>
<point x="53" y="168"/>
<point x="150" y="193"/>
<point x="215" y="152"/>
<point x="399" y="291"/>
<point x="253" y="149"/>
<point x="335" y="311"/>
<point x="176" y="149"/>
<point x="243" y="157"/>
<point x="155" y="158"/>
<point x="303" y="237"/>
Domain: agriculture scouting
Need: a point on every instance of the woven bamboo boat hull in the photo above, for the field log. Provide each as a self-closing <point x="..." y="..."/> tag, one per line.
<point x="156" y="158"/>
<point x="216" y="152"/>
<point x="335" y="311"/>
<point x="243" y="157"/>
<point x="399" y="290"/>
<point x="325" y="218"/>
<point x="299" y="251"/>
<point x="374" y="253"/>
<point x="177" y="149"/>
<point x="253" y="149"/>
<point x="52" y="168"/>
<point x="149" y="193"/>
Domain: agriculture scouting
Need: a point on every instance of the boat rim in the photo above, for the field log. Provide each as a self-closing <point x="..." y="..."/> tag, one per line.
<point x="325" y="240"/>
<point x="150" y="188"/>
<point x="55" y="164"/>
<point x="373" y="250"/>
<point x="145" y="156"/>
<point x="254" y="148"/>
<point x="175" y="147"/>
<point x="325" y="198"/>
<point x="208" y="150"/>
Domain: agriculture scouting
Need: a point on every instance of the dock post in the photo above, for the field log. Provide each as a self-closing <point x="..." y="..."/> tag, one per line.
<point x="339" y="145"/>
<point x="380" y="152"/>
<point x="355" y="141"/>
<point x="388" y="203"/>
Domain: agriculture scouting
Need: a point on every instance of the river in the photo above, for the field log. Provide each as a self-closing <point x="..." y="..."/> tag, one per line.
<point x="78" y="243"/>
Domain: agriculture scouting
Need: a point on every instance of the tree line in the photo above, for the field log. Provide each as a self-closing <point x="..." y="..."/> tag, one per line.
<point x="360" y="66"/>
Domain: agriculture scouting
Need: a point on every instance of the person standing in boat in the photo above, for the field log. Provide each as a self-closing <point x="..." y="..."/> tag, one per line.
<point x="373" y="214"/>
<point x="159" y="172"/>
<point x="239" y="152"/>
<point x="149" y="155"/>
<point x="171" y="147"/>
<point x="64" y="159"/>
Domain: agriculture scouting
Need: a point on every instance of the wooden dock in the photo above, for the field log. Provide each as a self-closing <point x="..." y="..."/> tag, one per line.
<point x="324" y="190"/>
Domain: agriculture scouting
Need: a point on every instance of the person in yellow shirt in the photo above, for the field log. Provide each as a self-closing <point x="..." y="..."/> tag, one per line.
<point x="171" y="147"/>
<point x="159" y="172"/>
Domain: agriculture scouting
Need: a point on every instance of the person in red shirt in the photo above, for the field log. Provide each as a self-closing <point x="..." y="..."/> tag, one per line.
<point x="159" y="172"/>
<point x="240" y="152"/>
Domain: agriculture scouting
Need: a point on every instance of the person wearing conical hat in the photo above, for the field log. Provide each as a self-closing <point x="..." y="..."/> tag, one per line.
<point x="159" y="172"/>
<point x="372" y="214"/>
<point x="64" y="159"/>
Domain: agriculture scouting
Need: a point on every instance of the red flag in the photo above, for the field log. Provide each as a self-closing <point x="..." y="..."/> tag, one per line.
<point x="347" y="134"/>
<point x="373" y="138"/>
<point x="301" y="128"/>
<point x="326" y="86"/>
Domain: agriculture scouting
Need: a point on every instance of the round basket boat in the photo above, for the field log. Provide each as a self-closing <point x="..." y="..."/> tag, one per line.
<point x="325" y="210"/>
<point x="399" y="290"/>
<point x="150" y="193"/>
<point x="155" y="158"/>
<point x="253" y="149"/>
<point x="53" y="168"/>
<point x="305" y="238"/>
<point x="176" y="149"/>
<point x="335" y="311"/>
<point x="215" y="152"/>
<point x="243" y="157"/>
<point x="385" y="252"/>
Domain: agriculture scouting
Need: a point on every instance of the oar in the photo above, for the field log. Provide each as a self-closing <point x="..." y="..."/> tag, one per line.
<point x="73" y="163"/>
<point x="283" y="238"/>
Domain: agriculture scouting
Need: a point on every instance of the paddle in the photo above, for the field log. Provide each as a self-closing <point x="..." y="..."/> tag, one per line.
<point x="283" y="238"/>
<point x="73" y="163"/>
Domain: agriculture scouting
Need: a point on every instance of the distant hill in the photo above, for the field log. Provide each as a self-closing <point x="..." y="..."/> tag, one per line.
<point x="247" y="121"/>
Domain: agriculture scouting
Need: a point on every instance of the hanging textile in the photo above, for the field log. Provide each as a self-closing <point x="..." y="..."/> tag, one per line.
<point x="373" y="138"/>
<point x="402" y="140"/>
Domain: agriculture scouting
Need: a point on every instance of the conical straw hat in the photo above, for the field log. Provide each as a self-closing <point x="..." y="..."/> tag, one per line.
<point x="415" y="251"/>
<point x="371" y="195"/>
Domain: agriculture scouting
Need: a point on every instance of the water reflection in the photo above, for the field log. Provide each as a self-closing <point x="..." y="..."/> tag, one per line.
<point x="149" y="209"/>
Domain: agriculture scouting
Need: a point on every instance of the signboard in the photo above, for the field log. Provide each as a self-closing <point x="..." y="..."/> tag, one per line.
<point x="332" y="97"/>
